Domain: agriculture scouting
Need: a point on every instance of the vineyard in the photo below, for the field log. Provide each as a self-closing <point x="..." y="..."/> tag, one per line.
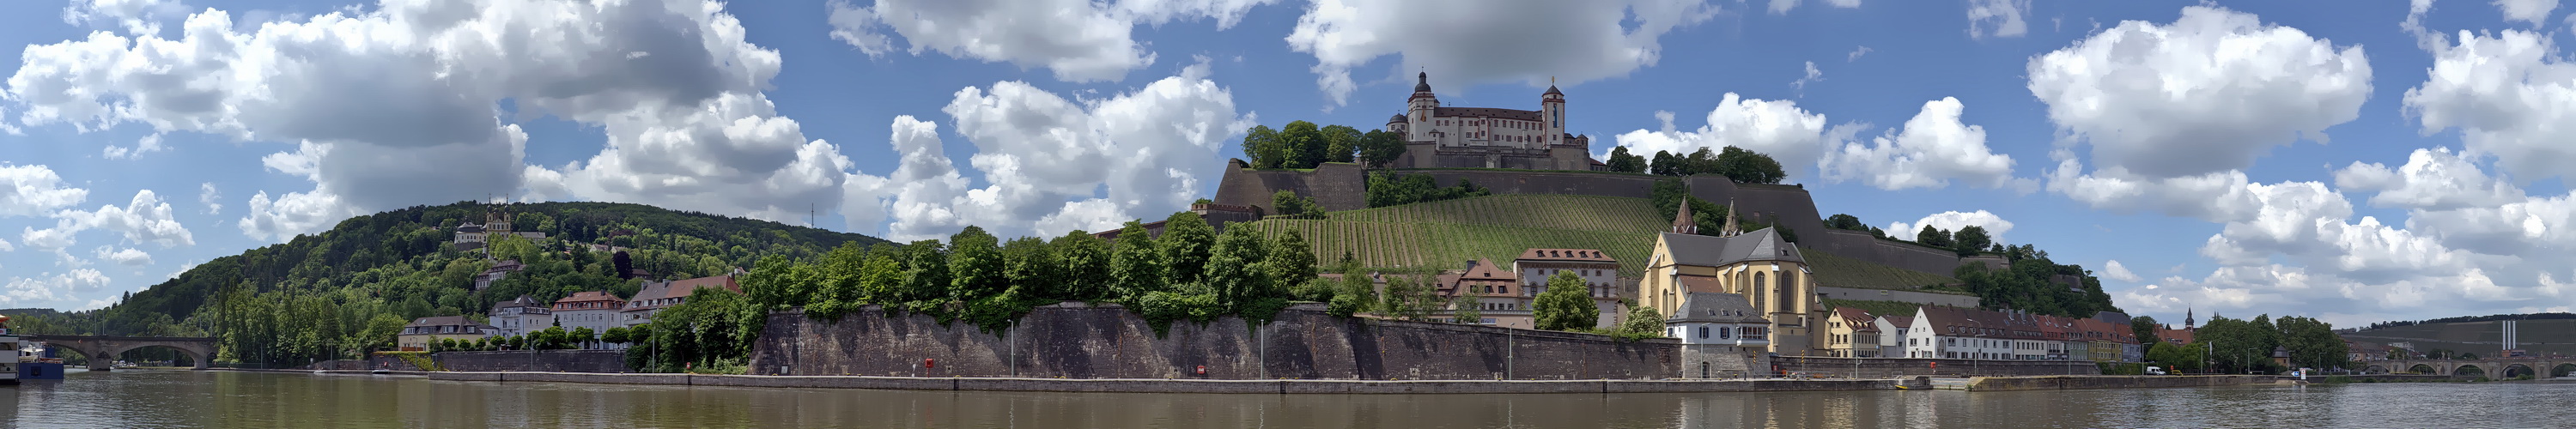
<point x="1446" y="234"/>
<point x="1838" y="271"/>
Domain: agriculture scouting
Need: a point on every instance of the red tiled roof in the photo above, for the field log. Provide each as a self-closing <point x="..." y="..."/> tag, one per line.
<point x="1585" y="255"/>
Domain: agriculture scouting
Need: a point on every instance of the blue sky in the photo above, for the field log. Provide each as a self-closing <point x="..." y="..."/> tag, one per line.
<point x="2233" y="157"/>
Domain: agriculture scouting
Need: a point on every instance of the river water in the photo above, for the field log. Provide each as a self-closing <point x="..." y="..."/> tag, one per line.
<point x="144" y="399"/>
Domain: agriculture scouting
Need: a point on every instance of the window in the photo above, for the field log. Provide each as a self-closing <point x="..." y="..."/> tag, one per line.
<point x="1703" y="332"/>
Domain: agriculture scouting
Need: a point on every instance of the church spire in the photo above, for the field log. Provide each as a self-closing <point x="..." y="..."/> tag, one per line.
<point x="2187" y="318"/>
<point x="1730" y="230"/>
<point x="1682" y="223"/>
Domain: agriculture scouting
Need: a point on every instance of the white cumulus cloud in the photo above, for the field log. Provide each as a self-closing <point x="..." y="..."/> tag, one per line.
<point x="34" y="190"/>
<point x="2431" y="179"/>
<point x="2531" y="11"/>
<point x="1951" y="221"/>
<point x="1931" y="150"/>
<point x="1997" y="18"/>
<point x="1466" y="42"/>
<point x="2207" y="93"/>
<point x="1777" y="128"/>
<point x="1079" y="40"/>
<point x="2113" y="270"/>
<point x="128" y="256"/>
<point x="145" y="219"/>
<point x="50" y="288"/>
<point x="2511" y="94"/>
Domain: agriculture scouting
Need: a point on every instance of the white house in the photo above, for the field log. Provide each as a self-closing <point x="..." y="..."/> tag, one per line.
<point x="1956" y="333"/>
<point x="520" y="316"/>
<point x="1721" y="335"/>
<point x="596" y="310"/>
<point x="1892" y="332"/>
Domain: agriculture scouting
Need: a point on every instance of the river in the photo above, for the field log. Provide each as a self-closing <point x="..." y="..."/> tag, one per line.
<point x="171" y="398"/>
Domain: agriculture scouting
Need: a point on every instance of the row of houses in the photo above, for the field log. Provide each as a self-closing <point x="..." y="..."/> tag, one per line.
<point x="597" y="310"/>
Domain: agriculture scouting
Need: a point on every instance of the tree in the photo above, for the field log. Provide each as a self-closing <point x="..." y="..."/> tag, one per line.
<point x="1970" y="239"/>
<point x="882" y="280"/>
<point x="1033" y="269"/>
<point x="2144" y="328"/>
<point x="1288" y="203"/>
<point x="1355" y="293"/>
<point x="1302" y="144"/>
<point x="1341" y="143"/>
<point x="1744" y="166"/>
<point x="1664" y="164"/>
<point x="1934" y="237"/>
<point x="584" y="336"/>
<point x="2312" y="343"/>
<point x="1379" y="148"/>
<point x="1624" y="162"/>
<point x="1846" y="222"/>
<point x="975" y="266"/>
<point x="1187" y="241"/>
<point x="1566" y="305"/>
<point x="925" y="276"/>
<point x="1467" y="309"/>
<point x="1136" y="267"/>
<point x="1086" y="262"/>
<point x="1407" y="298"/>
<point x="1291" y="262"/>
<point x="1643" y="322"/>
<point x="1262" y="145"/>
<point x="1235" y="269"/>
<point x="2175" y="357"/>
<point x="615" y="335"/>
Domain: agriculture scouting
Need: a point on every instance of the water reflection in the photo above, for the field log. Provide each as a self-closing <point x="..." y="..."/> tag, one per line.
<point x="231" y="399"/>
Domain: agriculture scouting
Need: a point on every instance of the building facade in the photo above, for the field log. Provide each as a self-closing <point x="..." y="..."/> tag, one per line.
<point x="1760" y="266"/>
<point x="597" y="310"/>
<point x="660" y="295"/>
<point x="1850" y="332"/>
<point x="520" y="316"/>
<point x="1439" y="136"/>
<point x="417" y="335"/>
<point x="1721" y="336"/>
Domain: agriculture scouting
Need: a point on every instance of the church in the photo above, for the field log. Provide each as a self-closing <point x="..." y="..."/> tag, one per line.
<point x="1439" y="136"/>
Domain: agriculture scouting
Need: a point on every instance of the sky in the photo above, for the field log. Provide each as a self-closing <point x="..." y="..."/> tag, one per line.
<point x="2350" y="161"/>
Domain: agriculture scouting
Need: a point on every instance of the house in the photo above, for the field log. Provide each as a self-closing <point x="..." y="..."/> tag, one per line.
<point x="1721" y="335"/>
<point x="1892" y="331"/>
<point x="1493" y="289"/>
<point x="520" y="316"/>
<point x="1600" y="274"/>
<point x="597" y="310"/>
<point x="417" y="335"/>
<point x="498" y="271"/>
<point x="1957" y="333"/>
<point x="660" y="295"/>
<point x="1851" y="332"/>
<point x="1760" y="266"/>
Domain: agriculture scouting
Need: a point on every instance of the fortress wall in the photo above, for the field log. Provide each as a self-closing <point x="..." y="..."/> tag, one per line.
<point x="1079" y="341"/>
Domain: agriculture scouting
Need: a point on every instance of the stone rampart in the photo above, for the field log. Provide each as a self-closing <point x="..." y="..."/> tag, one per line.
<point x="1077" y="341"/>
<point x="1926" y="298"/>
<point x="533" y="360"/>
<point x="1909" y="367"/>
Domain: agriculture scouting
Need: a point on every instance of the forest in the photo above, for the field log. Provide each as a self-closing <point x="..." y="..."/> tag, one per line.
<point x="341" y="292"/>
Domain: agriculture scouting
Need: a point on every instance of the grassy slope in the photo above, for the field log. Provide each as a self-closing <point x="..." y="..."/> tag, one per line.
<point x="1445" y="234"/>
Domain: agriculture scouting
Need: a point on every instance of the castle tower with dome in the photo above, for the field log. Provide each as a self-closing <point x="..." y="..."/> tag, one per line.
<point x="1482" y="137"/>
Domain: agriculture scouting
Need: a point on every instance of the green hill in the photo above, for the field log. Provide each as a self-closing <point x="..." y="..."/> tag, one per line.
<point x="1446" y="234"/>
<point x="312" y="297"/>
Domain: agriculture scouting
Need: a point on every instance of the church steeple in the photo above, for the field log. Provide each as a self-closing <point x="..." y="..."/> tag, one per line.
<point x="2187" y="321"/>
<point x="1682" y="223"/>
<point x="1730" y="230"/>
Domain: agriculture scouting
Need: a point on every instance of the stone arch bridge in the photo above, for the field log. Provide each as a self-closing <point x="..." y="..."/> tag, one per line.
<point x="2491" y="368"/>
<point x="103" y="350"/>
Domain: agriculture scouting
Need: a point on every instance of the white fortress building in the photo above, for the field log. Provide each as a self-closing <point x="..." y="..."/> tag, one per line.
<point x="1482" y="137"/>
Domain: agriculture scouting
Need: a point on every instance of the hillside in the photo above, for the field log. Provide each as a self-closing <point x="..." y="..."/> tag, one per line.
<point x="305" y="295"/>
<point x="1446" y="234"/>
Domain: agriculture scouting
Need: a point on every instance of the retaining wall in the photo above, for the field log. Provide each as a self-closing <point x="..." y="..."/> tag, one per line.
<point x="1011" y="384"/>
<point x="1905" y="367"/>
<point x="1074" y="340"/>
<point x="534" y="360"/>
<point x="1926" y="298"/>
<point x="1992" y="384"/>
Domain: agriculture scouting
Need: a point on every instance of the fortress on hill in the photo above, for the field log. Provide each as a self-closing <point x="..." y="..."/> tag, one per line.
<point x="1510" y="151"/>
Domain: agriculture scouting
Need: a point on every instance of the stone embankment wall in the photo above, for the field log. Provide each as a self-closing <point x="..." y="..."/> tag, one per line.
<point x="1907" y="367"/>
<point x="1074" y="340"/>
<point x="1994" y="384"/>
<point x="534" y="360"/>
<point x="1004" y="384"/>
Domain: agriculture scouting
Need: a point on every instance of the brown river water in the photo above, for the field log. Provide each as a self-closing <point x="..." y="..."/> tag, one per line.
<point x="170" y="398"/>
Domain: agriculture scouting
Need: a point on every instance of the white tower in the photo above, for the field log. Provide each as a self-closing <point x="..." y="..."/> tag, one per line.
<point x="1420" y="107"/>
<point x="1552" y="112"/>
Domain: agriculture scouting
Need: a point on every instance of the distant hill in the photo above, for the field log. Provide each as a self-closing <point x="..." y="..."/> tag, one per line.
<point x="1446" y="234"/>
<point x="403" y="261"/>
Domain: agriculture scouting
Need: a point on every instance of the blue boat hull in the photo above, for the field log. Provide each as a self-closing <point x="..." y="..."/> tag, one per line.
<point x="40" y="371"/>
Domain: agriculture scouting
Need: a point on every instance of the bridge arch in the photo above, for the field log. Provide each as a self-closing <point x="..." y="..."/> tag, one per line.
<point x="2377" y="369"/>
<point x="2469" y="370"/>
<point x="2423" y="369"/>
<point x="2563" y="370"/>
<point x="2517" y="370"/>
<point x="103" y="351"/>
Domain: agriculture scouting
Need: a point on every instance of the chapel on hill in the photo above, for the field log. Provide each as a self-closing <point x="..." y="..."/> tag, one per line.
<point x="1482" y="137"/>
